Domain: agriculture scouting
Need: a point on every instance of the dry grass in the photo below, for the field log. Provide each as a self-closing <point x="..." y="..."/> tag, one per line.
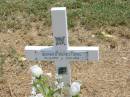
<point x="27" y="22"/>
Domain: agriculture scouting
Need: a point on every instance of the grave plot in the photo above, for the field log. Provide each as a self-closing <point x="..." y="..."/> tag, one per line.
<point x="61" y="53"/>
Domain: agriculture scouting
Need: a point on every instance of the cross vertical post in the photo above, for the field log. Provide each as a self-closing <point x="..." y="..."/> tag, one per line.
<point x="60" y="35"/>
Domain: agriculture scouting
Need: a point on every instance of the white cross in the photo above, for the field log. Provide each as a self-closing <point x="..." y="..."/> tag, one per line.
<point x="61" y="52"/>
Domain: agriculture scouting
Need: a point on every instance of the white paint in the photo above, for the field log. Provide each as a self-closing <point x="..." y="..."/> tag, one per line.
<point x="71" y="54"/>
<point x="59" y="26"/>
<point x="61" y="52"/>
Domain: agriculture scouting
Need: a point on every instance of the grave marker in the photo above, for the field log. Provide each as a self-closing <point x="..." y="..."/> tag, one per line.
<point x="61" y="53"/>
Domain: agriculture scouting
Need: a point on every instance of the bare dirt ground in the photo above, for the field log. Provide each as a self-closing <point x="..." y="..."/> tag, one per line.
<point x="110" y="77"/>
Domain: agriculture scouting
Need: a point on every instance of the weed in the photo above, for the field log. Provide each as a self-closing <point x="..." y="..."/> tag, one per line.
<point x="89" y="13"/>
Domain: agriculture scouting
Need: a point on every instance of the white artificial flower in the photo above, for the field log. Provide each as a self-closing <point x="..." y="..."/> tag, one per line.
<point x="33" y="78"/>
<point x="33" y="91"/>
<point x="75" y="88"/>
<point x="36" y="71"/>
<point x="56" y="83"/>
<point x="49" y="74"/>
<point x="38" y="86"/>
<point x="57" y="95"/>
<point x="32" y="96"/>
<point x="39" y="95"/>
<point x="58" y="77"/>
<point x="60" y="85"/>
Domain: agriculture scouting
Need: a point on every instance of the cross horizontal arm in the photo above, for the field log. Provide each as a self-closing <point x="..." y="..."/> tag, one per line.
<point x="49" y="53"/>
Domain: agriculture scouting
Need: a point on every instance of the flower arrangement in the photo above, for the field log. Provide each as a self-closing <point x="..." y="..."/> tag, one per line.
<point x="43" y="87"/>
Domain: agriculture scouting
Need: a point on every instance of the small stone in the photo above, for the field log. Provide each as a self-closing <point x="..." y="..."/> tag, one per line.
<point x="93" y="36"/>
<point x="124" y="58"/>
<point x="22" y="59"/>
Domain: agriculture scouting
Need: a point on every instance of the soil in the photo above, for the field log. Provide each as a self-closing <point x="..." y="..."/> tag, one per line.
<point x="108" y="77"/>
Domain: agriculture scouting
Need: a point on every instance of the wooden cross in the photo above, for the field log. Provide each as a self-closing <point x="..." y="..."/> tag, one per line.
<point x="61" y="53"/>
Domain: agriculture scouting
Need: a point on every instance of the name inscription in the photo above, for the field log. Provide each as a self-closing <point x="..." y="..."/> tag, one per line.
<point x="63" y="55"/>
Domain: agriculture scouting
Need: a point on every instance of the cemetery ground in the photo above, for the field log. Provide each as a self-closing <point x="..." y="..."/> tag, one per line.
<point x="110" y="77"/>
